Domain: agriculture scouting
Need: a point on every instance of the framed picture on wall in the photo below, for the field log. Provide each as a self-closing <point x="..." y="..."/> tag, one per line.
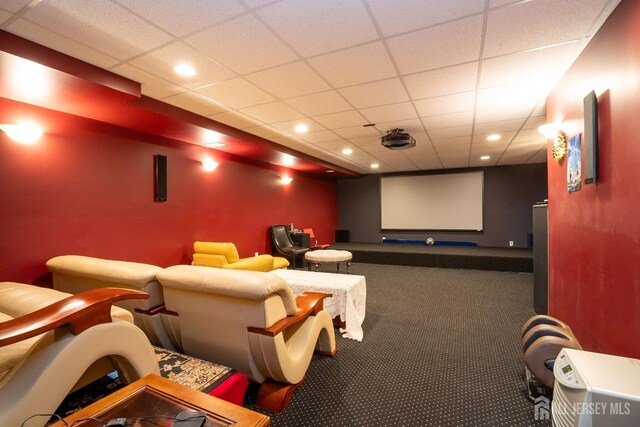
<point x="574" y="164"/>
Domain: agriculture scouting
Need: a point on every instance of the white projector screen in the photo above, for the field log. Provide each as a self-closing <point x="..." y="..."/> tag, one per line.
<point x="432" y="202"/>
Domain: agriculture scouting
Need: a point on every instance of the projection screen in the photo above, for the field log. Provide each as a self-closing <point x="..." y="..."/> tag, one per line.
<point x="432" y="202"/>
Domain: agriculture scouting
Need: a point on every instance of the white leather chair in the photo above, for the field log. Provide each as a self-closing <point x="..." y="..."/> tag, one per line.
<point x="249" y="321"/>
<point x="52" y="342"/>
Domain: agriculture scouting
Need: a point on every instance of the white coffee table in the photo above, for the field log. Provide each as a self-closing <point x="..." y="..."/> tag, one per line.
<point x="328" y="256"/>
<point x="349" y="295"/>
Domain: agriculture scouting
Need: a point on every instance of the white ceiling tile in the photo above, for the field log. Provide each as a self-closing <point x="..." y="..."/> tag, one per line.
<point x="288" y="126"/>
<point x="357" y="132"/>
<point x="264" y="131"/>
<point x="461" y="131"/>
<point x="448" y="120"/>
<point x="334" y="145"/>
<point x="504" y="113"/>
<point x="541" y="108"/>
<point x="394" y="17"/>
<point x="178" y="18"/>
<point x="317" y="137"/>
<point x="99" y="23"/>
<point x="439" y="46"/>
<point x="480" y="141"/>
<point x="445" y="81"/>
<point x="253" y="4"/>
<point x="13" y="5"/>
<point x="535" y="122"/>
<point x="152" y="86"/>
<point x="315" y="27"/>
<point x="361" y="64"/>
<point x="457" y="143"/>
<point x="341" y="120"/>
<point x="533" y="24"/>
<point x="498" y="3"/>
<point x="287" y="81"/>
<point x="367" y="141"/>
<point x="291" y="142"/>
<point x="4" y="15"/>
<point x="383" y="92"/>
<point x="235" y="119"/>
<point x="513" y="96"/>
<point x="236" y="93"/>
<point x="446" y="104"/>
<point x="412" y="126"/>
<point x="497" y="127"/>
<point x="162" y="61"/>
<point x="243" y="44"/>
<point x="532" y="67"/>
<point x="196" y="103"/>
<point x="320" y="103"/>
<point x="273" y="112"/>
<point x="46" y="37"/>
<point x="388" y="113"/>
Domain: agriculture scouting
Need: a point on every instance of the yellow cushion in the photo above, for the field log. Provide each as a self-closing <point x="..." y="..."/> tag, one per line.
<point x="279" y="262"/>
<point x="208" y="260"/>
<point x="225" y="249"/>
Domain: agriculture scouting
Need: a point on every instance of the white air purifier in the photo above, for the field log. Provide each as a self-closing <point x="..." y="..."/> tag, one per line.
<point x="595" y="390"/>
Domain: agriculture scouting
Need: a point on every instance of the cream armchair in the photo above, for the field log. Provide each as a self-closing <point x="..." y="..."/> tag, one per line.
<point x="249" y="321"/>
<point x="50" y="342"/>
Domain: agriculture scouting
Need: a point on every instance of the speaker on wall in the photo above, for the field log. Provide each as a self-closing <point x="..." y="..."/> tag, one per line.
<point x="590" y="138"/>
<point x="160" y="167"/>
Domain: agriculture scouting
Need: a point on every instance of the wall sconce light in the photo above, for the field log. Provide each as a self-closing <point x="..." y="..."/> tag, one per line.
<point x="24" y="133"/>
<point x="209" y="165"/>
<point x="554" y="131"/>
<point x="285" y="180"/>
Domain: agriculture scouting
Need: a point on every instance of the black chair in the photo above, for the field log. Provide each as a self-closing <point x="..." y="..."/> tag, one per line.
<point x="283" y="245"/>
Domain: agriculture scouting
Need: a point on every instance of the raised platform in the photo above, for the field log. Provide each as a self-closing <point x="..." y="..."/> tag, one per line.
<point x="473" y="258"/>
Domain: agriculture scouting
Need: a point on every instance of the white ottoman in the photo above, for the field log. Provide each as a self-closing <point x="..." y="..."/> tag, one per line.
<point x="327" y="256"/>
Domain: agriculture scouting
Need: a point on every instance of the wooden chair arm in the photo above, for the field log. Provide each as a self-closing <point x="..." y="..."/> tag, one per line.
<point x="308" y="303"/>
<point x="80" y="312"/>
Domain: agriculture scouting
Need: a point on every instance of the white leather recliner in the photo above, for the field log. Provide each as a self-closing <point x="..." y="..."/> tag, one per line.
<point x="250" y="321"/>
<point x="52" y="343"/>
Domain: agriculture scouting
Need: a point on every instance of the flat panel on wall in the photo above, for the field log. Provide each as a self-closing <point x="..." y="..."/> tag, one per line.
<point x="160" y="181"/>
<point x="590" y="138"/>
<point x="432" y="202"/>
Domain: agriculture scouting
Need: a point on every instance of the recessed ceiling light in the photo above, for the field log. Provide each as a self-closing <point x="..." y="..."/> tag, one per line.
<point x="347" y="151"/>
<point x="301" y="128"/>
<point x="184" y="70"/>
<point x="485" y="157"/>
<point x="374" y="166"/>
<point x="493" y="137"/>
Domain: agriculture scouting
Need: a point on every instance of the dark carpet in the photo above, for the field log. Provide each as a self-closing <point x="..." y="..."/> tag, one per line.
<point x="440" y="348"/>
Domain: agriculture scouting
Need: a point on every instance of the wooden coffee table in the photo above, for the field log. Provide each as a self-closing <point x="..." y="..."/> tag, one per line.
<point x="156" y="396"/>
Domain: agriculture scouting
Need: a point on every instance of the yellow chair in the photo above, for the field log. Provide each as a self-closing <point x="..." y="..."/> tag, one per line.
<point x="225" y="255"/>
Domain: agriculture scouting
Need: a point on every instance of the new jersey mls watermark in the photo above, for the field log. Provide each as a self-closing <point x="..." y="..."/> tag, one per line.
<point x="542" y="408"/>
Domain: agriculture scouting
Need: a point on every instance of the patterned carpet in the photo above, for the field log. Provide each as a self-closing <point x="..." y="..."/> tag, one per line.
<point x="440" y="348"/>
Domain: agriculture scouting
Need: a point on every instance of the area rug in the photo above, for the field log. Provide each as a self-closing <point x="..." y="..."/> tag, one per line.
<point x="194" y="373"/>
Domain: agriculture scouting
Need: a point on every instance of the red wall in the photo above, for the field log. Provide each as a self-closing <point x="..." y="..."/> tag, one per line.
<point x="594" y="240"/>
<point x="87" y="188"/>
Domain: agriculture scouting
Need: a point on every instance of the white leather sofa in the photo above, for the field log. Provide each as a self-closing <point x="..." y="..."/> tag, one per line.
<point x="76" y="273"/>
<point x="52" y="343"/>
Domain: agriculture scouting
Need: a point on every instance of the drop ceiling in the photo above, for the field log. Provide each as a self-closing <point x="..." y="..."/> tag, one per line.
<point x="450" y="72"/>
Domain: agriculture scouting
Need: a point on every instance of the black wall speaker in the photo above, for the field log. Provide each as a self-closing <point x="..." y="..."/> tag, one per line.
<point x="590" y="138"/>
<point x="342" y="236"/>
<point x="160" y="166"/>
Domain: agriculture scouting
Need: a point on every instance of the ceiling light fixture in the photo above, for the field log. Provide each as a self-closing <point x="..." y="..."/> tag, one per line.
<point x="493" y="137"/>
<point x="184" y="70"/>
<point x="301" y="128"/>
<point x="285" y="180"/>
<point x="347" y="151"/>
<point x="375" y="165"/>
<point x="288" y="160"/>
<point x="209" y="165"/>
<point x="24" y="133"/>
<point x="330" y="171"/>
<point x="485" y="157"/>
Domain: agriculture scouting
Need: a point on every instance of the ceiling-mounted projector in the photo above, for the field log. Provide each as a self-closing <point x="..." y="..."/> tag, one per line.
<point x="397" y="139"/>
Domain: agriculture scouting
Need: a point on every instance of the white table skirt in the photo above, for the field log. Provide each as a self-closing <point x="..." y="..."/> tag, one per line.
<point x="349" y="295"/>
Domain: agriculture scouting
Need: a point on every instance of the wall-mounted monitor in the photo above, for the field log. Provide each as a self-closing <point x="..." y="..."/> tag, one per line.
<point x="590" y="140"/>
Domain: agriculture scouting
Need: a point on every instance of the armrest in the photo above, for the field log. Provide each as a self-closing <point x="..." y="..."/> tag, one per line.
<point x="308" y="303"/>
<point x="80" y="312"/>
<point x="257" y="263"/>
